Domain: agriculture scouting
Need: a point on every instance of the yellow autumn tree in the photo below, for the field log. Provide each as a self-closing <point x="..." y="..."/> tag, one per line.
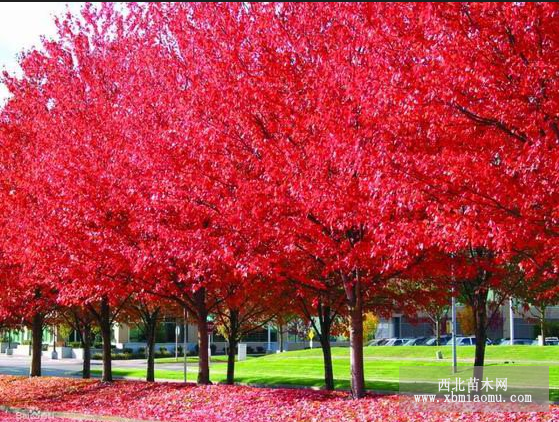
<point x="465" y="318"/>
<point x="370" y="324"/>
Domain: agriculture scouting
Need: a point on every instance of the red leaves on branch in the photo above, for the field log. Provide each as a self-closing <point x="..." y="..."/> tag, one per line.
<point x="166" y="148"/>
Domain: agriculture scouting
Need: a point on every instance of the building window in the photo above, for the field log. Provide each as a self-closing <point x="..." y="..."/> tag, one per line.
<point x="261" y="336"/>
<point x="164" y="333"/>
<point x="137" y="334"/>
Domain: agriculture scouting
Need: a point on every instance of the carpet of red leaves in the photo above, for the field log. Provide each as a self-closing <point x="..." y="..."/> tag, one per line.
<point x="179" y="402"/>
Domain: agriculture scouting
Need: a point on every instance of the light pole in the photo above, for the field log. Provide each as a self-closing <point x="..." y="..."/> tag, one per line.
<point x="177" y="333"/>
<point x="454" y="325"/>
<point x="511" y="322"/>
<point x="185" y="344"/>
<point x="454" y="359"/>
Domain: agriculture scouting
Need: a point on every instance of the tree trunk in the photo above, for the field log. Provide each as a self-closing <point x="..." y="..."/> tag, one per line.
<point x="328" y="370"/>
<point x="280" y="339"/>
<point x="325" y="320"/>
<point x="231" y="353"/>
<point x="233" y="340"/>
<point x="201" y="316"/>
<point x="542" y="325"/>
<point x="479" y="307"/>
<point x="37" y="348"/>
<point x="151" y="325"/>
<point x="105" y="325"/>
<point x="86" y="344"/>
<point x="355" y="305"/>
<point x="438" y="331"/>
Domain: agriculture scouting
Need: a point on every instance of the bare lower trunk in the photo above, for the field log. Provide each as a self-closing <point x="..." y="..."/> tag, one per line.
<point x="233" y="340"/>
<point x="105" y="325"/>
<point x="151" y="324"/>
<point x="37" y="348"/>
<point x="355" y="305"/>
<point x="231" y="353"/>
<point x="480" y="326"/>
<point x="328" y="370"/>
<point x="325" y="320"/>
<point x="203" y="358"/>
<point x="356" y="353"/>
<point x="86" y="344"/>
<point x="280" y="339"/>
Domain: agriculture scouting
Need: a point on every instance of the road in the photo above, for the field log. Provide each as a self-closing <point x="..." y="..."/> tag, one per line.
<point x="19" y="365"/>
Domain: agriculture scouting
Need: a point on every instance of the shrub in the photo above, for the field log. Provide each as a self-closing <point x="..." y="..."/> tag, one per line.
<point x="213" y="348"/>
<point x="163" y="353"/>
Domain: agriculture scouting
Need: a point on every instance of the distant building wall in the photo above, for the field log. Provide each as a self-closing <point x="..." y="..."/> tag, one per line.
<point x="525" y="324"/>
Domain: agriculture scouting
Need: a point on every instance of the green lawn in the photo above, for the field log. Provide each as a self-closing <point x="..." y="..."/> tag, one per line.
<point x="305" y="367"/>
<point x="194" y="359"/>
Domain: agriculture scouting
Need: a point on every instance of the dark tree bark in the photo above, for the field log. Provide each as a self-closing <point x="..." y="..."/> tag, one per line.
<point x="479" y="307"/>
<point x="37" y="344"/>
<point x="106" y="332"/>
<point x="232" y="349"/>
<point x="280" y="339"/>
<point x="201" y="316"/>
<point x="325" y="320"/>
<point x="354" y="297"/>
<point x="476" y="292"/>
<point x="86" y="344"/>
<point x="150" y="321"/>
<point x="82" y="325"/>
<point x="542" y="324"/>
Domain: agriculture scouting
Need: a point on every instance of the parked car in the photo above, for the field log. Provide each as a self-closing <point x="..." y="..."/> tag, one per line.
<point x="396" y="342"/>
<point x="516" y="342"/>
<point x="549" y="341"/>
<point x="432" y="341"/>
<point x="466" y="341"/>
<point x="418" y="341"/>
<point x="378" y="342"/>
<point x="463" y="341"/>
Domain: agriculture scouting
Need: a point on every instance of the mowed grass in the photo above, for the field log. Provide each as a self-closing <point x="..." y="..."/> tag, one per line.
<point x="382" y="365"/>
<point x="194" y="359"/>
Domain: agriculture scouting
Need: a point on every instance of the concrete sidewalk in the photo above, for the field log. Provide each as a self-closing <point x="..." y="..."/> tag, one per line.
<point x="19" y="365"/>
